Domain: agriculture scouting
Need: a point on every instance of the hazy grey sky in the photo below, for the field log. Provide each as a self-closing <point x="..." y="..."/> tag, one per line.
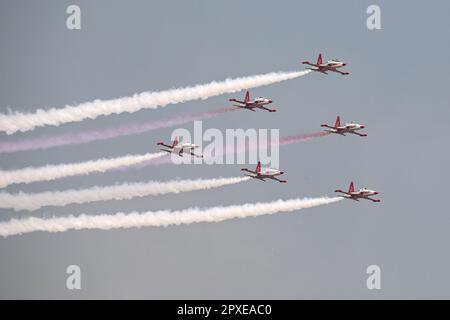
<point x="398" y="88"/>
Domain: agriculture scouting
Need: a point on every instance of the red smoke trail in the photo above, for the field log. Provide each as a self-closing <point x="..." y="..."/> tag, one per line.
<point x="301" y="137"/>
<point x="44" y="143"/>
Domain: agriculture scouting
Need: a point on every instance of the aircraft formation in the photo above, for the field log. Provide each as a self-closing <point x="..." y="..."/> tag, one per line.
<point x="23" y="122"/>
<point x="261" y="103"/>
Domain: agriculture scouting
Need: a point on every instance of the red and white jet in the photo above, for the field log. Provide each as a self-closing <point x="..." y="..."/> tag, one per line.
<point x="180" y="148"/>
<point x="363" y="193"/>
<point x="349" y="127"/>
<point x="330" y="65"/>
<point x="248" y="104"/>
<point x="262" y="174"/>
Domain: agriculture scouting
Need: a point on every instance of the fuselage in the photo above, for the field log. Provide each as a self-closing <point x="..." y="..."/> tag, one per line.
<point x="331" y="65"/>
<point x="184" y="147"/>
<point x="269" y="172"/>
<point x="260" y="101"/>
<point x="348" y="128"/>
<point x="361" y="193"/>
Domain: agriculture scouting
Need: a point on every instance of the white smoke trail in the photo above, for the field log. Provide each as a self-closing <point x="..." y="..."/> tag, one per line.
<point x="52" y="172"/>
<point x="147" y="100"/>
<point x="157" y="218"/>
<point x="24" y="201"/>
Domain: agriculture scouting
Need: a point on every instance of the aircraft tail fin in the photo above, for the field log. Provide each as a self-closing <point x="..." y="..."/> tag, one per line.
<point x="319" y="59"/>
<point x="247" y="97"/>
<point x="338" y="122"/>
<point x="175" y="142"/>
<point x="258" y="167"/>
<point x="351" y="188"/>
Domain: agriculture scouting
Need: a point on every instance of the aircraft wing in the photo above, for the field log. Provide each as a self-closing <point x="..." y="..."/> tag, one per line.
<point x="255" y="177"/>
<point x="311" y="64"/>
<point x="359" y="134"/>
<point x="340" y="72"/>
<point x="267" y="109"/>
<point x="247" y="107"/>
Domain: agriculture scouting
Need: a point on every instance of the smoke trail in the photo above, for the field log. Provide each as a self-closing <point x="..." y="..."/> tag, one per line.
<point x="284" y="141"/>
<point x="44" y="143"/>
<point x="301" y="137"/>
<point x="52" y="172"/>
<point x="24" y="201"/>
<point x="157" y="218"/>
<point x="147" y="100"/>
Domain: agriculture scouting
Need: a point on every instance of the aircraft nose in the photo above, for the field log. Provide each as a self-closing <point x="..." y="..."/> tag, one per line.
<point x="363" y="126"/>
<point x="344" y="64"/>
<point x="270" y="101"/>
<point x="376" y="192"/>
<point x="281" y="172"/>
